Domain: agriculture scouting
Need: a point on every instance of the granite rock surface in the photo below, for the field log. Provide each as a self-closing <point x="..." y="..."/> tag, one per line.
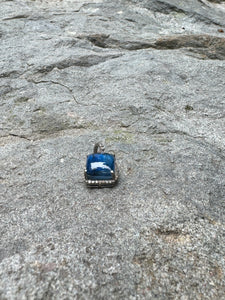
<point x="146" y="78"/>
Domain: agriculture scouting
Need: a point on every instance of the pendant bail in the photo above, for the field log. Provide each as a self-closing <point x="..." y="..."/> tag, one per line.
<point x="99" y="148"/>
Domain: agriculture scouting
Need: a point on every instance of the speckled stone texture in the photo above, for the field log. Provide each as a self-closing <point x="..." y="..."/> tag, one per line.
<point x="148" y="79"/>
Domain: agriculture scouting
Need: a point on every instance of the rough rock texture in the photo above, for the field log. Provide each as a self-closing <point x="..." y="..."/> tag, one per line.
<point x="146" y="78"/>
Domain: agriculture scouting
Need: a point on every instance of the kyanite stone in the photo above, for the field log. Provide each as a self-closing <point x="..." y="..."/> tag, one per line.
<point x="99" y="166"/>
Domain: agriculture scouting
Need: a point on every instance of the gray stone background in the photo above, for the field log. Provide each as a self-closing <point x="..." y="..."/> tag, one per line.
<point x="147" y="78"/>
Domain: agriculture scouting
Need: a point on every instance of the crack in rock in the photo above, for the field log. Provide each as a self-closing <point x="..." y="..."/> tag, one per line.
<point x="10" y="74"/>
<point x="19" y="136"/>
<point x="217" y="1"/>
<point x="208" y="46"/>
<point x="58" y="83"/>
<point x="82" y="61"/>
<point x="163" y="7"/>
<point x="211" y="47"/>
<point x="166" y="7"/>
<point x="105" y="41"/>
<point x="20" y="16"/>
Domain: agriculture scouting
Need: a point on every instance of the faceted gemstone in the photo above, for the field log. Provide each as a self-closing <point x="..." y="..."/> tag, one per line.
<point x="99" y="166"/>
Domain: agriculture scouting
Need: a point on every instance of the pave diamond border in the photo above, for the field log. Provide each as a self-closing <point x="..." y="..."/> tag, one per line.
<point x="100" y="183"/>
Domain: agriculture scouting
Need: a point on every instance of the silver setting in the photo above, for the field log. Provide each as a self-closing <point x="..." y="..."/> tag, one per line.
<point x="99" y="148"/>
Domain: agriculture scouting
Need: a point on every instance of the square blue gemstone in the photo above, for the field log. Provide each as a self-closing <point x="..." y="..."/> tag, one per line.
<point x="99" y="166"/>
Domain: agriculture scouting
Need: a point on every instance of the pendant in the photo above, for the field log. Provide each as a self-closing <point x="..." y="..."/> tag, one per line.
<point x="101" y="169"/>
